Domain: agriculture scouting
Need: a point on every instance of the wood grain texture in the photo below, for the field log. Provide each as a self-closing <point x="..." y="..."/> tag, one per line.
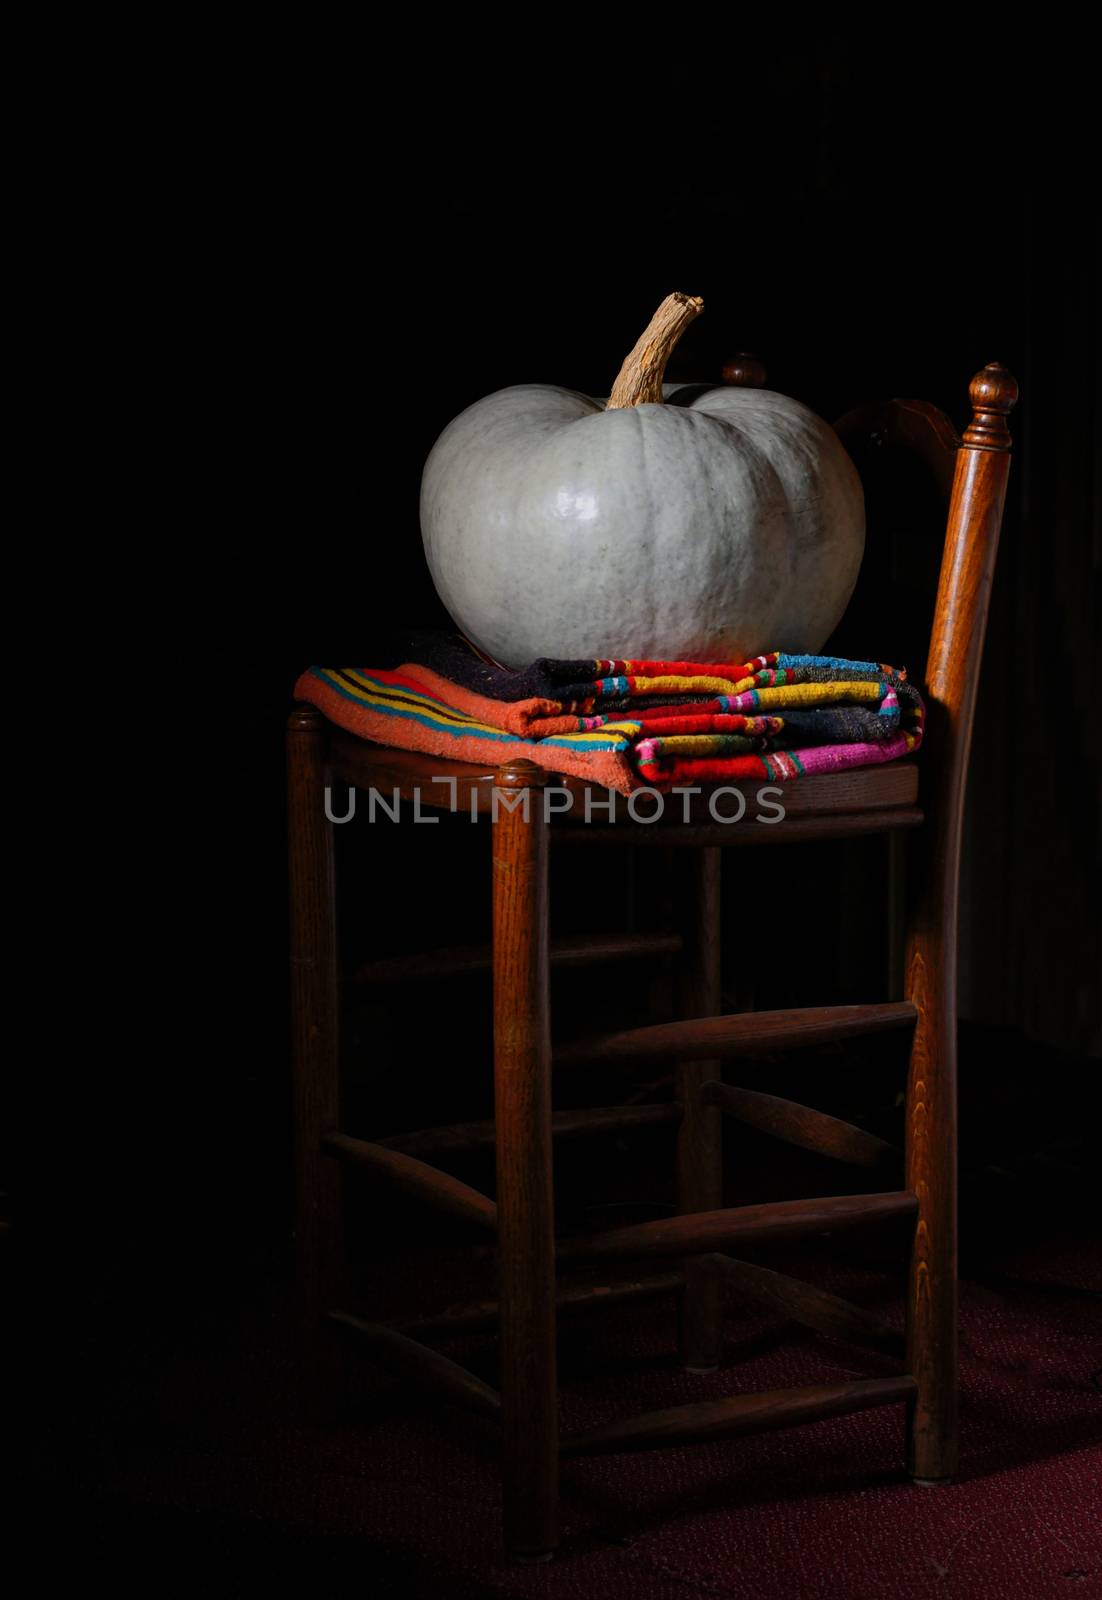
<point x="706" y="1231"/>
<point x="314" y="1017"/>
<point x="740" y="1414"/>
<point x="423" y="1365"/>
<point x="522" y="1110"/>
<point x="952" y="673"/>
<point x="405" y="1172"/>
<point x="802" y="1125"/>
<point x="716" y="1038"/>
<point x="804" y="1303"/>
<point x="699" y="1157"/>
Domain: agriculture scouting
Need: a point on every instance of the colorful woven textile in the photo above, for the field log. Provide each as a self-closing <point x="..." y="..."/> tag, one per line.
<point x="627" y="724"/>
<point x="393" y="708"/>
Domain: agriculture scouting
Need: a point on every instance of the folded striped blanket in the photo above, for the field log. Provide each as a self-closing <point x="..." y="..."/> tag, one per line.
<point x="398" y="708"/>
<point x="630" y="724"/>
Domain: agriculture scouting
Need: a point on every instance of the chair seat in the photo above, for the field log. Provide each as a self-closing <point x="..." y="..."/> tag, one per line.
<point x="859" y="800"/>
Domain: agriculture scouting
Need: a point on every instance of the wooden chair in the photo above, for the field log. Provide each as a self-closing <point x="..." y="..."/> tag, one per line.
<point x="920" y="801"/>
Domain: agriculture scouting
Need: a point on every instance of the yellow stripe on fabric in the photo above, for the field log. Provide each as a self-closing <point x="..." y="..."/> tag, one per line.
<point x="371" y="689"/>
<point x="597" y="735"/>
<point x="405" y="700"/>
<point x="671" y="683"/>
<point x="703" y="744"/>
<point x="396" y="699"/>
<point x="818" y="694"/>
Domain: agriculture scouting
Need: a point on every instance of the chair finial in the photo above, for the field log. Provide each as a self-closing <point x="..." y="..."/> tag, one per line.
<point x="993" y="393"/>
<point x="744" y="371"/>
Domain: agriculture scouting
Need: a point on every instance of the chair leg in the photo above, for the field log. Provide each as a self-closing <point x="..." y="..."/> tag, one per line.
<point x="699" y="1144"/>
<point x="314" y="1019"/>
<point x="932" y="1174"/>
<point x="525" y="1202"/>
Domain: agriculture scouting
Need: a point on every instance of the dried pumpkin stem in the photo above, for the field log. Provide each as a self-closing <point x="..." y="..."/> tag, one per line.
<point x="640" y="378"/>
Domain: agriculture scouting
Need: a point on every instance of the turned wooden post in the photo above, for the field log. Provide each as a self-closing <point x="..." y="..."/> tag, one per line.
<point x="952" y="670"/>
<point x="314" y="1016"/>
<point x="525" y="1201"/>
<point x="699" y="1141"/>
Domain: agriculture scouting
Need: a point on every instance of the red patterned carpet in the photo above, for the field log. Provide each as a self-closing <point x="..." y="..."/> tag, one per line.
<point x="204" y="1451"/>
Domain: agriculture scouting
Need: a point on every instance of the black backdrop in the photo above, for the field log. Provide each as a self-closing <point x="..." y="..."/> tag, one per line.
<point x="261" y="277"/>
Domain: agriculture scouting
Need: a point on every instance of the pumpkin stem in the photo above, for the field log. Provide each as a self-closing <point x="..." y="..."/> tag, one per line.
<point x="640" y="378"/>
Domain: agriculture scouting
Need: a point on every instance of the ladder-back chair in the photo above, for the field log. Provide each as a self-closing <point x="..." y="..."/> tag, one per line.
<point x="919" y="801"/>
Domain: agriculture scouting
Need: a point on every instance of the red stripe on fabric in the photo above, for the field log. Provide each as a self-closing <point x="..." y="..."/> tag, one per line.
<point x="664" y="774"/>
<point x="714" y="669"/>
<point x="402" y="680"/>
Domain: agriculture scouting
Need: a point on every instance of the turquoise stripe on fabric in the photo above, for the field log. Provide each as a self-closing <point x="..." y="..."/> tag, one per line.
<point x="441" y="725"/>
<point x="871" y="667"/>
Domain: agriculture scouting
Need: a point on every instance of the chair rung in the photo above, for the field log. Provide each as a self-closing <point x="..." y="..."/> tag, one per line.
<point x="806" y="1304"/>
<point x="715" y="1038"/>
<point x="424" y="1365"/>
<point x="706" y="1231"/>
<point x="415" y="1177"/>
<point x="739" y="1414"/>
<point x="460" y="1136"/>
<point x="803" y="1126"/>
<point x="585" y="950"/>
<point x="475" y="1314"/>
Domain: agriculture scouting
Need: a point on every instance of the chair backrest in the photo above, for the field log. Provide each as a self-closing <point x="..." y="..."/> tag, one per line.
<point x="914" y="466"/>
<point x="913" y="444"/>
<point x="919" y="474"/>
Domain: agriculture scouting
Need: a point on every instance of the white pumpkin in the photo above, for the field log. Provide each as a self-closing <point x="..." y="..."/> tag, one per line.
<point x="677" y="524"/>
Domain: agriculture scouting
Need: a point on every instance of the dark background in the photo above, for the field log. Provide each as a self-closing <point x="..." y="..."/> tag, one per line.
<point x="259" y="277"/>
